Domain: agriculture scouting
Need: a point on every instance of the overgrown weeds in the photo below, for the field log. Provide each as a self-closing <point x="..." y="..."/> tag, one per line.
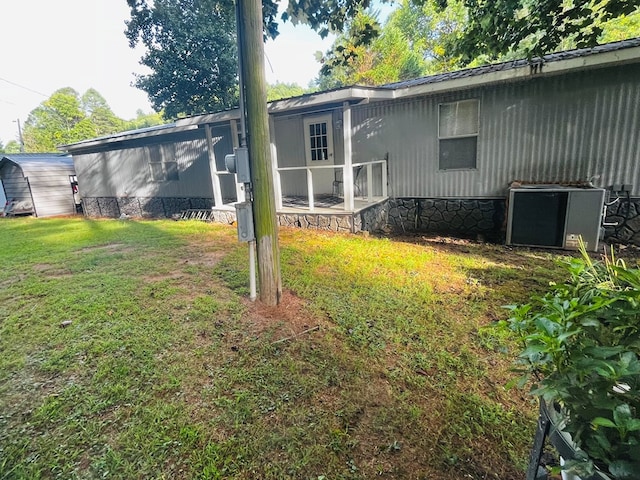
<point x="129" y="351"/>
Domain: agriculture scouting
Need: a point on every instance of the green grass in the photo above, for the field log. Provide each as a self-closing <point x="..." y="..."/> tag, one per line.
<point x="167" y="371"/>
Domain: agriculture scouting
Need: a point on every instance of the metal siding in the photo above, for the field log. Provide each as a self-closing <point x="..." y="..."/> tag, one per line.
<point x="125" y="172"/>
<point x="289" y="135"/>
<point x="15" y="185"/>
<point x="577" y="127"/>
<point x="51" y="191"/>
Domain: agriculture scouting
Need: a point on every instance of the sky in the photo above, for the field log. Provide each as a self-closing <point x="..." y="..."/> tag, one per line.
<point x="47" y="45"/>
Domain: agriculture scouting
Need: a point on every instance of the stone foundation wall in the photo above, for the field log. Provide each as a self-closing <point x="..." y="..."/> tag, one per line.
<point x="336" y="223"/>
<point x="145" y="207"/>
<point x="463" y="217"/>
<point x="448" y="216"/>
<point x="622" y="222"/>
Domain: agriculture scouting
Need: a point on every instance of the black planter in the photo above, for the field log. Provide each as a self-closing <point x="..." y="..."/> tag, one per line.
<point x="550" y="427"/>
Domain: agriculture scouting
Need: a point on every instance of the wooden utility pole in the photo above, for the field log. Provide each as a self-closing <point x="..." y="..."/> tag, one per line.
<point x="264" y="209"/>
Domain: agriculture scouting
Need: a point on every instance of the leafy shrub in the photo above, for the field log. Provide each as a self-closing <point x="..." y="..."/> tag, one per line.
<point x="581" y="350"/>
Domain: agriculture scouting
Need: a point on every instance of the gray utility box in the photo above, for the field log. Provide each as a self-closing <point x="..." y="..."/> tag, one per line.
<point x="554" y="216"/>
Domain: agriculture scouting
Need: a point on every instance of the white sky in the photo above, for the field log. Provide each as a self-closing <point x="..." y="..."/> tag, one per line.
<point x="47" y="45"/>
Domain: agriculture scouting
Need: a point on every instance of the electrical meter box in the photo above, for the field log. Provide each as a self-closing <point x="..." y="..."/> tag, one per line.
<point x="555" y="216"/>
<point x="238" y="163"/>
<point x="244" y="217"/>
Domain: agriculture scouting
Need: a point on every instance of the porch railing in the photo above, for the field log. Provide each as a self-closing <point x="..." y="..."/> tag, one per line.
<point x="368" y="167"/>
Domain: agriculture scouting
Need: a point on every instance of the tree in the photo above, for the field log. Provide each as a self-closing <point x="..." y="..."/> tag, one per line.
<point x="191" y="51"/>
<point x="65" y="117"/>
<point x="284" y="90"/>
<point x="144" y="120"/>
<point x="431" y="29"/>
<point x="100" y="114"/>
<point x="12" y="146"/>
<point x="413" y="42"/>
<point x="497" y="27"/>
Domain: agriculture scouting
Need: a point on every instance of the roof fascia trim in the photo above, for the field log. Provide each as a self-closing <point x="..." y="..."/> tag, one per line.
<point x="531" y="70"/>
<point x="124" y="137"/>
<point x="336" y="96"/>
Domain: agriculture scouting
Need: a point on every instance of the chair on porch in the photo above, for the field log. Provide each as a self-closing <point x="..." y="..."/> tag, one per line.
<point x="338" y="182"/>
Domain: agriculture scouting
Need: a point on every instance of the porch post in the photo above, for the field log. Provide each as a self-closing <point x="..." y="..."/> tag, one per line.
<point x="277" y="186"/>
<point x="215" y="180"/>
<point x="347" y="177"/>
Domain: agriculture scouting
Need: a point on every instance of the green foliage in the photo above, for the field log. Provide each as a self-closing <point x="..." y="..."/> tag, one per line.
<point x="497" y="27"/>
<point x="12" y="146"/>
<point x="191" y="51"/>
<point x="65" y="117"/>
<point x="431" y="30"/>
<point x="581" y="347"/>
<point x="285" y="90"/>
<point x="356" y="59"/>
<point x="144" y="120"/>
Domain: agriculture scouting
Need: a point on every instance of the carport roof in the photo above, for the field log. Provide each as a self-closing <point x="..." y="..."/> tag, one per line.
<point x="31" y="162"/>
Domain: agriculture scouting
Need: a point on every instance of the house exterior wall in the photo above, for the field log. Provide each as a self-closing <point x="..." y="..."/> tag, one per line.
<point x="577" y="127"/>
<point x="290" y="136"/>
<point x="119" y="180"/>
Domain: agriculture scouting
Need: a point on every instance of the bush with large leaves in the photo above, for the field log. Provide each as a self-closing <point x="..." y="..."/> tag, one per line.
<point x="581" y="348"/>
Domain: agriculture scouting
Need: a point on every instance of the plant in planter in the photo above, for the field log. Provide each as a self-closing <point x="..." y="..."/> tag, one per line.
<point x="581" y="349"/>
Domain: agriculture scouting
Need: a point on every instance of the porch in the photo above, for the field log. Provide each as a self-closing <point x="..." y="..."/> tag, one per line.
<point x="352" y="188"/>
<point x="350" y="206"/>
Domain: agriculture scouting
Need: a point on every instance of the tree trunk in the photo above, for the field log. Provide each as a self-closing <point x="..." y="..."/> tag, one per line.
<point x="264" y="210"/>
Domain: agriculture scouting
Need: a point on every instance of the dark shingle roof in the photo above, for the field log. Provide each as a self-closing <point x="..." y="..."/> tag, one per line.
<point x="498" y="67"/>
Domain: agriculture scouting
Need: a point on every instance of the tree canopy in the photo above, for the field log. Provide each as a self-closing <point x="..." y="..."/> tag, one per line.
<point x="412" y="42"/>
<point x="12" y="146"/>
<point x="496" y="27"/>
<point x="192" y="53"/>
<point x="422" y="38"/>
<point x="67" y="117"/>
<point x="285" y="90"/>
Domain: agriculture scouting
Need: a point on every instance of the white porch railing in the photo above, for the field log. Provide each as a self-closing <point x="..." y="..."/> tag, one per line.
<point x="367" y="166"/>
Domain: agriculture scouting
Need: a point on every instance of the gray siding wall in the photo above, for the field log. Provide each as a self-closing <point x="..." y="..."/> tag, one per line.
<point x="578" y="127"/>
<point x="289" y="134"/>
<point x="48" y="186"/>
<point x="15" y="185"/>
<point x="125" y="172"/>
<point x="51" y="191"/>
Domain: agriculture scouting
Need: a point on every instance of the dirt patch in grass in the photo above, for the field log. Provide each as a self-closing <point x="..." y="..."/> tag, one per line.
<point x="290" y="319"/>
<point x="120" y="247"/>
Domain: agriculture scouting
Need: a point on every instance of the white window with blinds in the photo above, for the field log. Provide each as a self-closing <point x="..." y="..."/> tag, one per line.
<point x="458" y="134"/>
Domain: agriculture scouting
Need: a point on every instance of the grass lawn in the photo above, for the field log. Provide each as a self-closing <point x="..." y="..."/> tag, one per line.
<point x="128" y="350"/>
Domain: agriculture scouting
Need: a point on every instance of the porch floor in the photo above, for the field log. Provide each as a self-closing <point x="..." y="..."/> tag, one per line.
<point x="325" y="204"/>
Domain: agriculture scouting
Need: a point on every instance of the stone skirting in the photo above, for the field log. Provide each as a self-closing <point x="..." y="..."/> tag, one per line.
<point x="447" y="216"/>
<point x="622" y="223"/>
<point x="370" y="219"/>
<point x="141" y="207"/>
<point x="464" y="217"/>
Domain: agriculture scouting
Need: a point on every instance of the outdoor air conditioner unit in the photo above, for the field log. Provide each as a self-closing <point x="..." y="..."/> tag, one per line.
<point x="554" y="216"/>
